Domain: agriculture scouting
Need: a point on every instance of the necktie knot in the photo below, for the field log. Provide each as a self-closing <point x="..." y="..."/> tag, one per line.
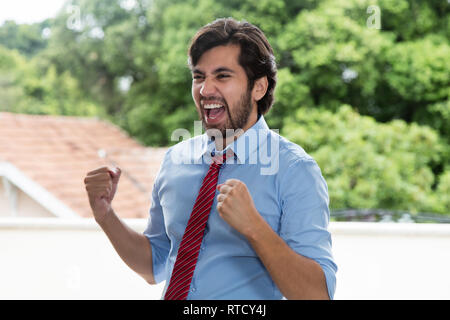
<point x="220" y="159"/>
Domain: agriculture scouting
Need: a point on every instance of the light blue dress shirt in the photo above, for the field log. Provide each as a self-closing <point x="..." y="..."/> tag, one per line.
<point x="288" y="190"/>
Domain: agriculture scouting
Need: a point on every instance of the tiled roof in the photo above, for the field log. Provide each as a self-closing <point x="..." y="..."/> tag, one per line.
<point x="57" y="151"/>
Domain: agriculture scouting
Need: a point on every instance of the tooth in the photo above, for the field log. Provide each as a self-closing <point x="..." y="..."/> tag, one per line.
<point x="213" y="106"/>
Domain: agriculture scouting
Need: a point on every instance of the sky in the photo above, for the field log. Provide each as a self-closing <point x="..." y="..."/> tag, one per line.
<point x="29" y="11"/>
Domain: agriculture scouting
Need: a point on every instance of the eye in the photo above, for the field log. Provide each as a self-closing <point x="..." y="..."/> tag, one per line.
<point x="220" y="76"/>
<point x="197" y="78"/>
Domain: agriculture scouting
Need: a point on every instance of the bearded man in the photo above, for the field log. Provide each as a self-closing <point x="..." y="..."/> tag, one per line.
<point x="222" y="225"/>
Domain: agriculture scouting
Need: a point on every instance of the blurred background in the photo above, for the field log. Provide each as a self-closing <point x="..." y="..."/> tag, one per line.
<point x="363" y="87"/>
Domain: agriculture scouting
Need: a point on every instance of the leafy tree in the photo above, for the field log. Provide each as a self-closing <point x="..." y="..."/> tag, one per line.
<point x="419" y="75"/>
<point x="28" y="39"/>
<point x="25" y="89"/>
<point x="341" y="60"/>
<point x="12" y="66"/>
<point x="442" y="196"/>
<point x="77" y="44"/>
<point x="369" y="164"/>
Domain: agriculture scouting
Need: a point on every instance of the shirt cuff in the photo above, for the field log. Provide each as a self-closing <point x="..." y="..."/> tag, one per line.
<point x="158" y="264"/>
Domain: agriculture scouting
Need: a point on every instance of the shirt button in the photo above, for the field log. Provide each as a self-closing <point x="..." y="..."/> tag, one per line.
<point x="193" y="290"/>
<point x="213" y="153"/>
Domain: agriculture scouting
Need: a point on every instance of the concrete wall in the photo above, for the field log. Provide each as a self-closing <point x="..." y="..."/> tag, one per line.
<point x="392" y="260"/>
<point x="54" y="258"/>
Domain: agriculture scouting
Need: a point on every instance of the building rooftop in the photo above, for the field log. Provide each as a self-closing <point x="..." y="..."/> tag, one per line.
<point x="56" y="152"/>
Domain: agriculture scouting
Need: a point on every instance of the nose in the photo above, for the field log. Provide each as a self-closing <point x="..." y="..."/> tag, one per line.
<point x="208" y="88"/>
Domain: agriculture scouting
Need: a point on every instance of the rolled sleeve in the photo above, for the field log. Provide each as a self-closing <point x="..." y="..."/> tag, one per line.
<point x="305" y="218"/>
<point x="156" y="234"/>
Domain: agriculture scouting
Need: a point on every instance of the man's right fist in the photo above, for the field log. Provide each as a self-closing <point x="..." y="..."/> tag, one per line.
<point x="101" y="186"/>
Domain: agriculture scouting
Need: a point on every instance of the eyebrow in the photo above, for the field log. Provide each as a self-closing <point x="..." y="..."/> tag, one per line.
<point x="218" y="70"/>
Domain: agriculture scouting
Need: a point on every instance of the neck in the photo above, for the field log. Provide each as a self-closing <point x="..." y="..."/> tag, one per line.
<point x="221" y="143"/>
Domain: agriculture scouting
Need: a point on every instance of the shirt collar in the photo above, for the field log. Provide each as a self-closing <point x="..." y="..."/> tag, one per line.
<point x="243" y="147"/>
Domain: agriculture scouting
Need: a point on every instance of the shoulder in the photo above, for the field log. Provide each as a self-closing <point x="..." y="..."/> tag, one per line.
<point x="296" y="165"/>
<point x="300" y="176"/>
<point x="187" y="151"/>
<point x="282" y="155"/>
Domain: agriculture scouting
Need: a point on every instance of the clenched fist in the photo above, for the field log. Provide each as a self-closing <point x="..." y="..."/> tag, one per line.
<point x="101" y="186"/>
<point x="236" y="207"/>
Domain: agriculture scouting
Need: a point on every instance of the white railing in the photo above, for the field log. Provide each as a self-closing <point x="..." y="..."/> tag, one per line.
<point x="55" y="258"/>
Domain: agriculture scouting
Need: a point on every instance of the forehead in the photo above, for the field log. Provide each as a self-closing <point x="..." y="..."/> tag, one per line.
<point x="220" y="57"/>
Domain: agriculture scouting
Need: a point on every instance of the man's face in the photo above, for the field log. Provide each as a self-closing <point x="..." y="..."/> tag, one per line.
<point x="220" y="90"/>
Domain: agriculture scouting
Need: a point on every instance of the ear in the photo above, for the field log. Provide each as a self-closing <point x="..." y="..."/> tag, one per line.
<point x="260" y="88"/>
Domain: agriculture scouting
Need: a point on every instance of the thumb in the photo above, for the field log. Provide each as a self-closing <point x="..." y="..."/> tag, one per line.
<point x="115" y="174"/>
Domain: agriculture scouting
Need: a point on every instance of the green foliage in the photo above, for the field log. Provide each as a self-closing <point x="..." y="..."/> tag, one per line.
<point x="26" y="89"/>
<point x="411" y="20"/>
<point x="290" y="91"/>
<point x="442" y="196"/>
<point x="334" y="55"/>
<point x="342" y="61"/>
<point x="368" y="164"/>
<point x="11" y="71"/>
<point x="27" y="39"/>
<point x="420" y="70"/>
<point x="56" y="94"/>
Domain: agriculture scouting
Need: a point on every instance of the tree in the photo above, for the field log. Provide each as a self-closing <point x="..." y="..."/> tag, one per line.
<point x="372" y="165"/>
<point x="26" y="89"/>
<point x="28" y="39"/>
<point x="386" y="73"/>
<point x="12" y="69"/>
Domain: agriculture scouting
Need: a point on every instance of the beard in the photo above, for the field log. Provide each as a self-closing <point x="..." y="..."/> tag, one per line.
<point x="241" y="113"/>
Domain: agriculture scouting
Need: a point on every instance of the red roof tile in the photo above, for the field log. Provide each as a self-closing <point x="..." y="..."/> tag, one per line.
<point x="56" y="152"/>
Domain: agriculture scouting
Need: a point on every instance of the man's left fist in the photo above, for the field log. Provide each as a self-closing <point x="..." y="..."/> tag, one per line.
<point x="236" y="207"/>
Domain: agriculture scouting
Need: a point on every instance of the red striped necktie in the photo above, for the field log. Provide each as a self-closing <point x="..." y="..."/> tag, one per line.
<point x="187" y="255"/>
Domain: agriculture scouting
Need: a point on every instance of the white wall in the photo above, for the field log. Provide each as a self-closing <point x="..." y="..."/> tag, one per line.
<point x="54" y="258"/>
<point x="392" y="260"/>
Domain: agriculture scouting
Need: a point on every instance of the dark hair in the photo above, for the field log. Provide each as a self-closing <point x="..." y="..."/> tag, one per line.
<point x="256" y="56"/>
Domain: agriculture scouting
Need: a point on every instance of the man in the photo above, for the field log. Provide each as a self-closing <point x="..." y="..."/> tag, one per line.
<point x="262" y="232"/>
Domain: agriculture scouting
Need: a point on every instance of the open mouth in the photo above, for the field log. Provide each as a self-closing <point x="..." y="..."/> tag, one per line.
<point x="214" y="112"/>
